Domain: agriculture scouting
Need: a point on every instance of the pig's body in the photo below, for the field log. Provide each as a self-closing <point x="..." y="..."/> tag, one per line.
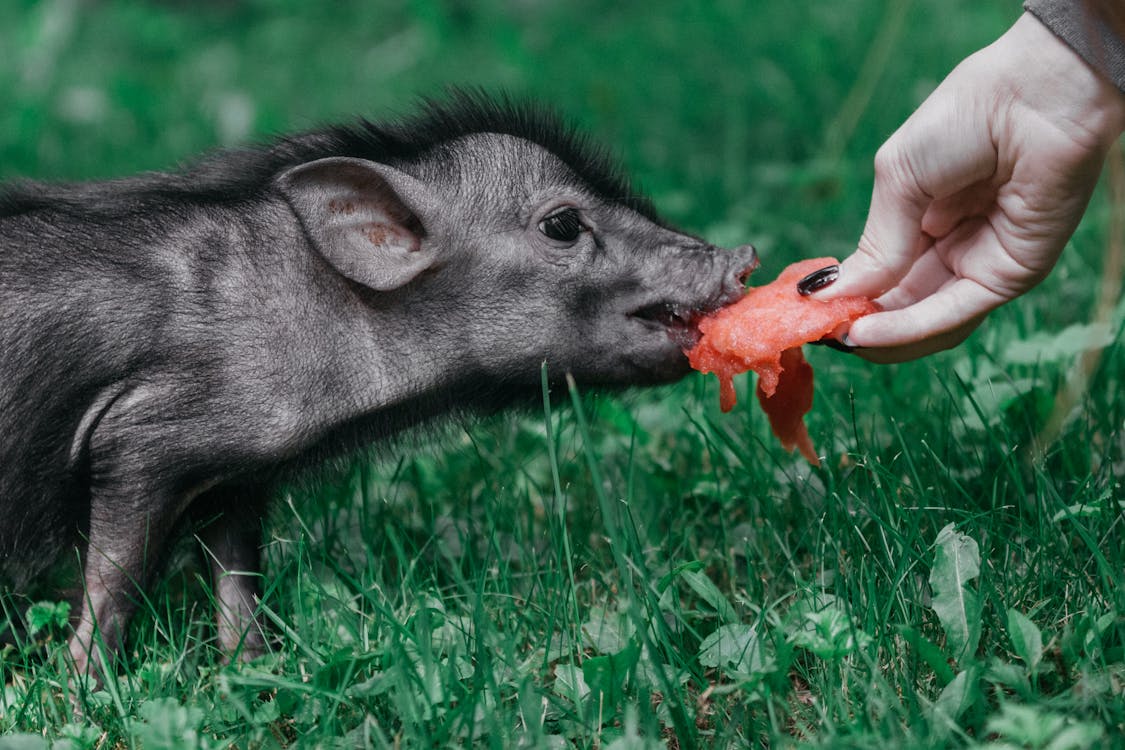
<point x="155" y="331"/>
<point x="173" y="342"/>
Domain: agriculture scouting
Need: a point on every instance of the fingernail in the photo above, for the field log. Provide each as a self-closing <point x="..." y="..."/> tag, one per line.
<point x="817" y="280"/>
<point x="840" y="346"/>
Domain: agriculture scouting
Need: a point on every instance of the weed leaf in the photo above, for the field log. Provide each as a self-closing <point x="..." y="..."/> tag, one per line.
<point x="1032" y="726"/>
<point x="829" y="633"/>
<point x="1027" y="641"/>
<point x="607" y="674"/>
<point x="1011" y="676"/>
<point x="167" y="725"/>
<point x="1060" y="346"/>
<point x="631" y="739"/>
<point x="957" y="695"/>
<point x="569" y="683"/>
<point x="1093" y="508"/>
<point x="929" y="653"/>
<point x="709" y="592"/>
<point x="47" y="614"/>
<point x="607" y="631"/>
<point x="738" y="651"/>
<point x="956" y="562"/>
<point x="24" y="742"/>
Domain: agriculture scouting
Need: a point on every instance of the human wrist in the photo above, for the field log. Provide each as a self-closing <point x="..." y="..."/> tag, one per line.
<point x="1094" y="29"/>
<point x="1049" y="75"/>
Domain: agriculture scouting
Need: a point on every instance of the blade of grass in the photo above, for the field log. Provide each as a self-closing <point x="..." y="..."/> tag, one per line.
<point x="641" y="622"/>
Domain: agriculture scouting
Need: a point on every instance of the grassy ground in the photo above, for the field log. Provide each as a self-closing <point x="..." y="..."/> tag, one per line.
<point x="641" y="571"/>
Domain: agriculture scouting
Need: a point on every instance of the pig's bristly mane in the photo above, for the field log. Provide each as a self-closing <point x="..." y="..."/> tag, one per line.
<point x="234" y="175"/>
<point x="467" y="113"/>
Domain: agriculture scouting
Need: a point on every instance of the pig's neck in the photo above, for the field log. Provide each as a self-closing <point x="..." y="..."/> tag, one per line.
<point x="345" y="363"/>
<point x="397" y="365"/>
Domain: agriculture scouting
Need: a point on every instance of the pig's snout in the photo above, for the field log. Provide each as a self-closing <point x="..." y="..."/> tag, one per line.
<point x="702" y="279"/>
<point x="743" y="261"/>
<point x="745" y="258"/>
<point x="732" y="269"/>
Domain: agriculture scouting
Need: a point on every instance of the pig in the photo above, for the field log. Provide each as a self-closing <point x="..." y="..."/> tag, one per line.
<point x="174" y="344"/>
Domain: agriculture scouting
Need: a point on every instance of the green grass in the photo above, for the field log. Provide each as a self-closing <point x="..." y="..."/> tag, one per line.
<point x="636" y="571"/>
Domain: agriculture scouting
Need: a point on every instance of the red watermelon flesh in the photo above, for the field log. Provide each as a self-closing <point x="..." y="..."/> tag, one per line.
<point x="763" y="332"/>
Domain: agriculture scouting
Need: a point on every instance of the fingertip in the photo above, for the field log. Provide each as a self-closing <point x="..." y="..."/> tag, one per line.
<point x="856" y="273"/>
<point x="853" y="338"/>
<point x="841" y="344"/>
<point x="934" y="324"/>
<point x="852" y="277"/>
<point x="886" y="329"/>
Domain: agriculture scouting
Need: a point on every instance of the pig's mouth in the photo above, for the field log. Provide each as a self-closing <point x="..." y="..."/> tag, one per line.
<point x="680" y="321"/>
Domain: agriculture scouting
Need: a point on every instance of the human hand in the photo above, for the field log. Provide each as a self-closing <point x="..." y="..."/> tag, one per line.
<point x="978" y="192"/>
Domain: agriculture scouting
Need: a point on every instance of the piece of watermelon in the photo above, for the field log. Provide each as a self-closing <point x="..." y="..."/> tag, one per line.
<point x="763" y="332"/>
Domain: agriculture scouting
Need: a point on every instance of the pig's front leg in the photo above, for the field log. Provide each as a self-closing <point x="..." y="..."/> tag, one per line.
<point x="128" y="529"/>
<point x="231" y="542"/>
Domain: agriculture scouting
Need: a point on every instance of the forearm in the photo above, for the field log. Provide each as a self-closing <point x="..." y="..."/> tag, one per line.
<point x="1095" y="29"/>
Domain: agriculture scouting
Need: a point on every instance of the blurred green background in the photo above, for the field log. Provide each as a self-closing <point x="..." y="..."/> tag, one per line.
<point x="735" y="115"/>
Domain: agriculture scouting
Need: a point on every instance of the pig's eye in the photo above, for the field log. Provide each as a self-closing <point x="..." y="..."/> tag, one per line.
<point x="562" y="226"/>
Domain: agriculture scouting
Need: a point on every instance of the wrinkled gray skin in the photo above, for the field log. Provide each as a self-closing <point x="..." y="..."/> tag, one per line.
<point x="168" y="355"/>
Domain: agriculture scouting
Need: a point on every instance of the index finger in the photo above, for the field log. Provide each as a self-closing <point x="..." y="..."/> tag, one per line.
<point x="942" y="148"/>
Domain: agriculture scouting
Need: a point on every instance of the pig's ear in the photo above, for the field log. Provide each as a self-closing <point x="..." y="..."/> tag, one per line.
<point x="361" y="218"/>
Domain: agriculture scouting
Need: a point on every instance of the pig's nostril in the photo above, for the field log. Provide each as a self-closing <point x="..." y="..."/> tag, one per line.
<point x="748" y="256"/>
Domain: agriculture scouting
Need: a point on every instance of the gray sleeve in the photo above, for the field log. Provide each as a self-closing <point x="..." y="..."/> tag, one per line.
<point x="1095" y="36"/>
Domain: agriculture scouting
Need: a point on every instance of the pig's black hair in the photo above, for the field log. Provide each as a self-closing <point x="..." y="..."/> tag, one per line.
<point x="238" y="174"/>
<point x="467" y="112"/>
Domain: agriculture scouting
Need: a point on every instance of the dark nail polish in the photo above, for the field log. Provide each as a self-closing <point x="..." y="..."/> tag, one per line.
<point x="837" y="345"/>
<point x="817" y="280"/>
